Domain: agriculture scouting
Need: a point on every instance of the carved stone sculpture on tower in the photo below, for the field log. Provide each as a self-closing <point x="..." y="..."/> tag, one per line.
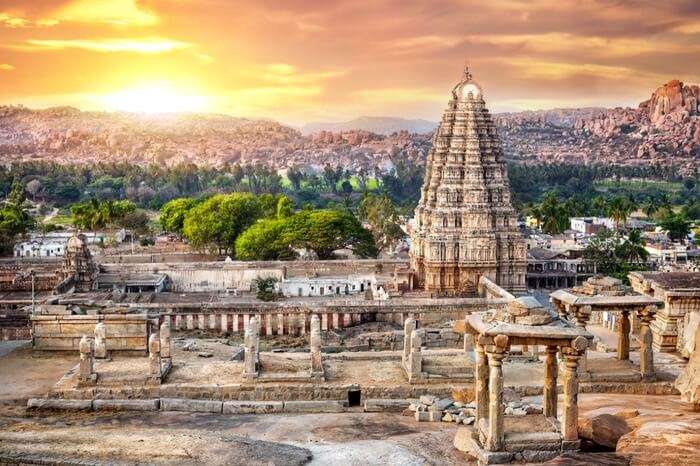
<point x="465" y="223"/>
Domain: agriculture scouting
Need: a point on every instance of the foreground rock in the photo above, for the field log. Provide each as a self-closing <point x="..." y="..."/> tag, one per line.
<point x="602" y="429"/>
<point x="688" y="383"/>
<point x="669" y="442"/>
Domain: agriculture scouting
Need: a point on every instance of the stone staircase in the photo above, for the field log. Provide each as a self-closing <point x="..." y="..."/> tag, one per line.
<point x="458" y="371"/>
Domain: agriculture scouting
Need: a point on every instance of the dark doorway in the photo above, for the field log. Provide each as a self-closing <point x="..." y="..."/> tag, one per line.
<point x="354" y="397"/>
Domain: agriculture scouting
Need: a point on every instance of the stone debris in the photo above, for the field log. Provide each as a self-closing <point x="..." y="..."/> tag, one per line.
<point x="189" y="345"/>
<point x="205" y="354"/>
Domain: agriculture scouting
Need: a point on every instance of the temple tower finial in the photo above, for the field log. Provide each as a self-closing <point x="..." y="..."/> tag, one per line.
<point x="467" y="74"/>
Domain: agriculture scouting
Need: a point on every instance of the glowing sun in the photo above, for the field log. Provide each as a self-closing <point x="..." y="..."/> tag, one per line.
<point x="157" y="98"/>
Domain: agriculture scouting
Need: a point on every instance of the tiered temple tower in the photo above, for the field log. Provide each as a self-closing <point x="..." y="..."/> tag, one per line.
<point x="465" y="224"/>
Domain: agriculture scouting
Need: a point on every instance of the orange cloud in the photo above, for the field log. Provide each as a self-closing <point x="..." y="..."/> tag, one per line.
<point x="6" y="67"/>
<point x="148" y="46"/>
<point x="118" y="12"/>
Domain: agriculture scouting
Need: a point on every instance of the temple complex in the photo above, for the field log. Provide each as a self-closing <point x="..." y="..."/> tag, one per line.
<point x="465" y="223"/>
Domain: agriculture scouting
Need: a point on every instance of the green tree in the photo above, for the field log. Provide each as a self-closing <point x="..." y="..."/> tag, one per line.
<point x="265" y="289"/>
<point x="382" y="216"/>
<point x="285" y="208"/>
<point x="677" y="226"/>
<point x="324" y="231"/>
<point x="15" y="221"/>
<point x="632" y="248"/>
<point x="619" y="209"/>
<point x="265" y="240"/>
<point x="173" y="213"/>
<point x="217" y="222"/>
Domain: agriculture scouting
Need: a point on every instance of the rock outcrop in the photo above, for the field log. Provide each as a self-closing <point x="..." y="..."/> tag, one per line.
<point x="688" y="383"/>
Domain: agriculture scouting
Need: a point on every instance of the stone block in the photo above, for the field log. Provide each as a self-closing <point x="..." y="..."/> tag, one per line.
<point x="440" y="405"/>
<point x="59" y="404"/>
<point x="126" y="405"/>
<point x="189" y="405"/>
<point x="314" y="406"/>
<point x="422" y="416"/>
<point x="385" y="404"/>
<point x="253" y="407"/>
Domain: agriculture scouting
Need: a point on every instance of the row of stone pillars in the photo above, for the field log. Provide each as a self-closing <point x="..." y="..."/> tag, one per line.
<point x="489" y="389"/>
<point x="159" y="354"/>
<point x="581" y="316"/>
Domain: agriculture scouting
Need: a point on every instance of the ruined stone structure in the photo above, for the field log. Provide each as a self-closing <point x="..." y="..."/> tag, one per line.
<point x="465" y="223"/>
<point x="494" y="438"/>
<point x="100" y="341"/>
<point x="315" y="341"/>
<point x="676" y="322"/>
<point x="251" y="368"/>
<point x="608" y="295"/>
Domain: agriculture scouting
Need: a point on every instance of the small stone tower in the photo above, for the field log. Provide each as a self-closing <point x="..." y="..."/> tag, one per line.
<point x="465" y="224"/>
<point x="79" y="270"/>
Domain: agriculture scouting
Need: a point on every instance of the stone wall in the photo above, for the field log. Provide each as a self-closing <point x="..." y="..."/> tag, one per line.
<point x="14" y="325"/>
<point x="124" y="332"/>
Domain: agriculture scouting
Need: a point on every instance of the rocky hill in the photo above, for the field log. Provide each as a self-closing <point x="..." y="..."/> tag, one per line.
<point x="663" y="130"/>
<point x="67" y="135"/>
<point x="379" y="125"/>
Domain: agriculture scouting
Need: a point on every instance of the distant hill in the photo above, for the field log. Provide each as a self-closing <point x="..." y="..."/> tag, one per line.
<point x="378" y="125"/>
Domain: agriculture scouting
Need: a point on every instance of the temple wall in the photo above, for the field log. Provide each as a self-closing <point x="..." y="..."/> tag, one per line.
<point x="125" y="332"/>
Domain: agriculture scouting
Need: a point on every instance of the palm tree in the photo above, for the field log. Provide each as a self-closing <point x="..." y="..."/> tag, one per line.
<point x="650" y="208"/>
<point x="632" y="249"/>
<point x="619" y="209"/>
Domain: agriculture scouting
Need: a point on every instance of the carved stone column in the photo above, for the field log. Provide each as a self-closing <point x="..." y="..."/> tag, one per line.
<point x="165" y="342"/>
<point x="623" y="336"/>
<point x="646" y="355"/>
<point x="154" y="362"/>
<point x="571" y="355"/>
<point x="315" y="346"/>
<point x="86" y="368"/>
<point x="583" y="316"/>
<point x="100" y="341"/>
<point x="481" y="382"/>
<point x="496" y="353"/>
<point x="409" y="326"/>
<point x="550" y="382"/>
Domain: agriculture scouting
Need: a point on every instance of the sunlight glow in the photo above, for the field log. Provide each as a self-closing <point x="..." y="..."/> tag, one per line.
<point x="154" y="99"/>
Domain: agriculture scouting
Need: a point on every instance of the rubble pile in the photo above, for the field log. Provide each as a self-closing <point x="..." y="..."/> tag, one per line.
<point x="429" y="408"/>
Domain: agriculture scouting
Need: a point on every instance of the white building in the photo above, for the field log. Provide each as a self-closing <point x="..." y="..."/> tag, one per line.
<point x="590" y="225"/>
<point x="327" y="286"/>
<point x="40" y="248"/>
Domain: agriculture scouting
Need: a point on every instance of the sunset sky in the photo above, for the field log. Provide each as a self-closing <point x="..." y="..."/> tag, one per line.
<point x="301" y="60"/>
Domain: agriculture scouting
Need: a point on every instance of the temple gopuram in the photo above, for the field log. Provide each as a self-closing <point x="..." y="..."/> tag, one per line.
<point x="465" y="223"/>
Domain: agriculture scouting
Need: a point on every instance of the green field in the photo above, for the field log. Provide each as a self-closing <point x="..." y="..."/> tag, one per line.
<point x="639" y="186"/>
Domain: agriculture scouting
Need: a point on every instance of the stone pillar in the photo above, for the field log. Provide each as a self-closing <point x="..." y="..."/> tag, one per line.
<point x="212" y="321"/>
<point x="481" y="383"/>
<point x="583" y="315"/>
<point x="623" y="336"/>
<point x="408" y="327"/>
<point x="414" y="366"/>
<point x="571" y="355"/>
<point x="100" y="341"/>
<point x="190" y="321"/>
<point x="549" y="395"/>
<point x="302" y="323"/>
<point x="315" y="346"/>
<point x="86" y="369"/>
<point x="224" y="324"/>
<point x="202" y="325"/>
<point x="154" y="360"/>
<point x="165" y="342"/>
<point x="250" y="368"/>
<point x="178" y="322"/>
<point x="646" y="355"/>
<point x="280" y="324"/>
<point x="235" y="324"/>
<point x="324" y="321"/>
<point x="268" y="325"/>
<point x="335" y="320"/>
<point x="496" y="353"/>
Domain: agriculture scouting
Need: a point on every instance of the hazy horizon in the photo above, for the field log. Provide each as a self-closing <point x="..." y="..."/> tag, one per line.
<point x="309" y="61"/>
